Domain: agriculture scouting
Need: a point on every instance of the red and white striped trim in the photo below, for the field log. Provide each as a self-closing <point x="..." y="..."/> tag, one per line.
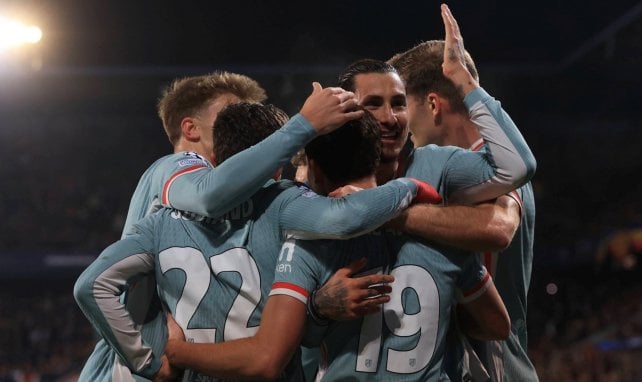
<point x="292" y="290"/>
<point x="165" y="197"/>
<point x="477" y="145"/>
<point x="479" y="289"/>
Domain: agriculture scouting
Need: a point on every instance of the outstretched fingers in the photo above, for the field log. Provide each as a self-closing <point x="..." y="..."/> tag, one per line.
<point x="372" y="292"/>
<point x="454" y="65"/>
<point x="329" y="108"/>
<point x="453" y="39"/>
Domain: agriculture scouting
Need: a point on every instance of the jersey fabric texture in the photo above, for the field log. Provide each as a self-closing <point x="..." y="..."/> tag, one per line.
<point x="214" y="274"/>
<point x="188" y="181"/>
<point x="467" y="177"/>
<point x="405" y="342"/>
<point x="511" y="269"/>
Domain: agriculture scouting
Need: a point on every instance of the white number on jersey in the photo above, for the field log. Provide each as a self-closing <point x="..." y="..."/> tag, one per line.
<point x="197" y="281"/>
<point x="425" y="323"/>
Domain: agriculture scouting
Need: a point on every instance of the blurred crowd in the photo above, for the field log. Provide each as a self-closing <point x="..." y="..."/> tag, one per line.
<point x="585" y="324"/>
<point x="44" y="335"/>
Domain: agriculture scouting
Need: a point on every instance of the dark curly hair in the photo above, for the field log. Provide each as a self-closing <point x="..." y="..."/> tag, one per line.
<point x="241" y="125"/>
<point x="349" y="153"/>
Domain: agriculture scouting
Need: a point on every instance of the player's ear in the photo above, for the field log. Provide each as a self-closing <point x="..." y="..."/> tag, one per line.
<point x="277" y="174"/>
<point x="316" y="178"/>
<point x="189" y="129"/>
<point x="433" y="103"/>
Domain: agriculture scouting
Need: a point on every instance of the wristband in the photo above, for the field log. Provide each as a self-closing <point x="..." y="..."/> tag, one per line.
<point x="313" y="311"/>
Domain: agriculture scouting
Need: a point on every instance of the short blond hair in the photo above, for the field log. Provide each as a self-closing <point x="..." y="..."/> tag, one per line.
<point x="421" y="70"/>
<point x="187" y="96"/>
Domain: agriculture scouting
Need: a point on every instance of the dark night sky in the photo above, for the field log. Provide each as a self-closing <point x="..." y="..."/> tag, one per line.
<point x="192" y="33"/>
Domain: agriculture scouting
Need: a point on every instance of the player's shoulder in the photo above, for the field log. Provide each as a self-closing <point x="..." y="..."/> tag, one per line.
<point x="431" y="158"/>
<point x="175" y="163"/>
<point x="294" y="188"/>
<point x="275" y="194"/>
<point x="432" y="150"/>
<point x="182" y="159"/>
<point x="174" y="160"/>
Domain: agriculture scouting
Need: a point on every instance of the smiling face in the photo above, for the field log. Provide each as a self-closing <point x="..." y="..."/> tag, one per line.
<point x="384" y="95"/>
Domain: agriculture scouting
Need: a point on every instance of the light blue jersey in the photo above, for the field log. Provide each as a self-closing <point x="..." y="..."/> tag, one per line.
<point x="214" y="276"/>
<point x="466" y="177"/>
<point x="447" y="169"/>
<point x="188" y="182"/>
<point x="406" y="341"/>
<point x="511" y="269"/>
<point x="506" y="165"/>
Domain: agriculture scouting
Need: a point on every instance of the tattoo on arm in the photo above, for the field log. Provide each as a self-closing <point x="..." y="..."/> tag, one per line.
<point x="332" y="302"/>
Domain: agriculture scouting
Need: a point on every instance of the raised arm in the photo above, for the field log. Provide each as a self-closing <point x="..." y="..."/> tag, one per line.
<point x="212" y="192"/>
<point x="513" y="160"/>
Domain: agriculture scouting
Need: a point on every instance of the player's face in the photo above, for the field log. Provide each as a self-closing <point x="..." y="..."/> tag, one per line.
<point x="421" y="122"/>
<point x="205" y="119"/>
<point x="384" y="95"/>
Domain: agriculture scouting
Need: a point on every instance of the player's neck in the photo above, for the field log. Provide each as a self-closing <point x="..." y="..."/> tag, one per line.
<point x="367" y="182"/>
<point x="184" y="145"/>
<point x="463" y="133"/>
<point x="387" y="171"/>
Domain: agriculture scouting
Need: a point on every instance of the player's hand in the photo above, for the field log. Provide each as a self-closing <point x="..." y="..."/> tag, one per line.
<point x="167" y="372"/>
<point x="344" y="191"/>
<point x="175" y="337"/>
<point x="328" y="109"/>
<point x="426" y="193"/>
<point x="344" y="297"/>
<point x="174" y="331"/>
<point x="454" y="66"/>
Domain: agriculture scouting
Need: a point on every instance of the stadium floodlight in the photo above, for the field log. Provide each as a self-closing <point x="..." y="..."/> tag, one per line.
<point x="14" y="33"/>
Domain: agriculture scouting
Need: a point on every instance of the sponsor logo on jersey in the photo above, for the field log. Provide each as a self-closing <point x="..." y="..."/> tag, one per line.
<point x="190" y="162"/>
<point x="285" y="257"/>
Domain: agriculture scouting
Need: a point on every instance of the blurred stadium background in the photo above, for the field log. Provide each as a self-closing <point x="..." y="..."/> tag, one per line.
<point x="78" y="126"/>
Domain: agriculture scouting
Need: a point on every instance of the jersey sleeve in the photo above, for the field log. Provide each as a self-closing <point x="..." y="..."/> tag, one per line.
<point x="213" y="191"/>
<point x="298" y="270"/>
<point x="311" y="216"/>
<point x="474" y="281"/>
<point x="508" y="153"/>
<point x="98" y="290"/>
<point x="298" y="273"/>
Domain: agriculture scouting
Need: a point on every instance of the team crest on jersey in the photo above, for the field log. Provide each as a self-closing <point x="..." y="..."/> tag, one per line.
<point x="308" y="193"/>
